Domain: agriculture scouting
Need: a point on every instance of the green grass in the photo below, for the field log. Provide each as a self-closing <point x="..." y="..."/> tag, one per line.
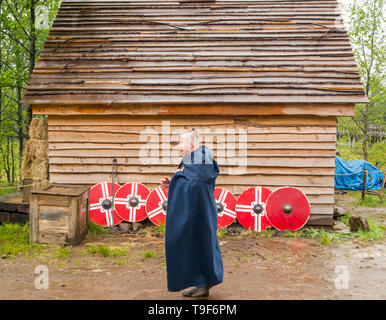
<point x="161" y="229"/>
<point x="221" y="233"/>
<point x="149" y="254"/>
<point x="106" y="251"/>
<point x="6" y="188"/>
<point x="325" y="237"/>
<point x="370" y="200"/>
<point x="14" y="239"/>
<point x="266" y="233"/>
<point x="376" y="231"/>
<point x="62" y="252"/>
<point x="328" y="237"/>
<point x="97" y="230"/>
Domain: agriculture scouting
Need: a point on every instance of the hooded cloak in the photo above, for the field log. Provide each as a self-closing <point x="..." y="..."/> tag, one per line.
<point x="193" y="256"/>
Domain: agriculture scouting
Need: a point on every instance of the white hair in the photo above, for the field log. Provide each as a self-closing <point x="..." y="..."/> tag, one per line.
<point x="191" y="136"/>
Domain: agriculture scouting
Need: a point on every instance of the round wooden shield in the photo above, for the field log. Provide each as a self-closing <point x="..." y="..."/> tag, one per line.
<point x="226" y="204"/>
<point x="250" y="209"/>
<point x="102" y="212"/>
<point x="156" y="205"/>
<point x="288" y="209"/>
<point x="130" y="202"/>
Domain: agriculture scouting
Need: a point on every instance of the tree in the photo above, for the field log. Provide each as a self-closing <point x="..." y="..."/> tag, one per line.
<point x="21" y="40"/>
<point x="366" y="29"/>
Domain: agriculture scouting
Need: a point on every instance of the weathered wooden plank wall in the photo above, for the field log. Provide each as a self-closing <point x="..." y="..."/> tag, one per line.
<point x="281" y="150"/>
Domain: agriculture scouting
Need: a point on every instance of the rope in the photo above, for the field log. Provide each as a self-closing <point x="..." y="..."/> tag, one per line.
<point x="23" y="186"/>
<point x="348" y="174"/>
<point x="113" y="175"/>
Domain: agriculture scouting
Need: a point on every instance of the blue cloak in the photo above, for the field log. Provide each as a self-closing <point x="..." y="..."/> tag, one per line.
<point x="193" y="255"/>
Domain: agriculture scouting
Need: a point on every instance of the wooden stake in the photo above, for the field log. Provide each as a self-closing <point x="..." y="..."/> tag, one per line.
<point x="364" y="183"/>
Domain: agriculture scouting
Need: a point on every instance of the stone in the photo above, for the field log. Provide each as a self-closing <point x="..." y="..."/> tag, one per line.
<point x="124" y="227"/>
<point x="364" y="224"/>
<point x="234" y="230"/>
<point x="280" y="233"/>
<point x="358" y="222"/>
<point x="137" y="226"/>
<point x="339" y="212"/>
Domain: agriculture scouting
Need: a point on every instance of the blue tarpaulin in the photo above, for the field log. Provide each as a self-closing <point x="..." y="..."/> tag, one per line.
<point x="349" y="175"/>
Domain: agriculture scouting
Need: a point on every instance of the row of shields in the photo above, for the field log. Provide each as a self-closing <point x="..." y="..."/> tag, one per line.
<point x="257" y="208"/>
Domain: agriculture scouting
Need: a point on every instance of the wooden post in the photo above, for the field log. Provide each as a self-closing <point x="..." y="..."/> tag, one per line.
<point x="383" y="185"/>
<point x="364" y="183"/>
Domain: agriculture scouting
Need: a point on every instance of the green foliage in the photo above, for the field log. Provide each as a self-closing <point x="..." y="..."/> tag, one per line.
<point x="376" y="152"/>
<point x="366" y="29"/>
<point x="149" y="254"/>
<point x="325" y="237"/>
<point x="14" y="239"/>
<point x="21" y="41"/>
<point x="106" y="251"/>
<point x="266" y="233"/>
<point x="161" y="229"/>
<point x="221" y="233"/>
<point x="97" y="230"/>
<point x="328" y="237"/>
<point x="6" y="188"/>
<point x="370" y="201"/>
<point x="62" y="252"/>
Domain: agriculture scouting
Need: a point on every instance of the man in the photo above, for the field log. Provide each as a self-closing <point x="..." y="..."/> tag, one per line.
<point x="193" y="256"/>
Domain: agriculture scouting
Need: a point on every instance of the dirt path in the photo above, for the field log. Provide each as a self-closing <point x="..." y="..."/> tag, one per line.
<point x="254" y="268"/>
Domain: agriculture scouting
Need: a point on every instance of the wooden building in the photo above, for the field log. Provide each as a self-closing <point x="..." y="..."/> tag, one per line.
<point x="279" y="71"/>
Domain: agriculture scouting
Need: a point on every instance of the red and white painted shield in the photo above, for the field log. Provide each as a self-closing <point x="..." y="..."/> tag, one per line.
<point x="156" y="205"/>
<point x="288" y="209"/>
<point x="226" y="204"/>
<point x="130" y="202"/>
<point x="250" y="209"/>
<point x="102" y="212"/>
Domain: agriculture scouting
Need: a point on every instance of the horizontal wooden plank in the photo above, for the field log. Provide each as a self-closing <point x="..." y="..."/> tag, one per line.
<point x="55" y="210"/>
<point x="127" y="150"/>
<point x="320" y="220"/>
<point x="324" y="181"/>
<point x="46" y="200"/>
<point x="162" y="169"/>
<point x="238" y="189"/>
<point x="76" y="157"/>
<point x="85" y="136"/>
<point x="343" y="110"/>
<point x="53" y="226"/>
<point x="200" y="128"/>
<point x="313" y="96"/>
<point x="194" y="120"/>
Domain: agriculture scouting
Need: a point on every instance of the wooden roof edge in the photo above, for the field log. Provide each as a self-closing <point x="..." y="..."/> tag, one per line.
<point x="266" y="100"/>
<point x="194" y="104"/>
<point x="341" y="109"/>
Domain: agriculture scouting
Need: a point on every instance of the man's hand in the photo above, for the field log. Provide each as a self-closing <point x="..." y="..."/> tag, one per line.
<point x="165" y="182"/>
